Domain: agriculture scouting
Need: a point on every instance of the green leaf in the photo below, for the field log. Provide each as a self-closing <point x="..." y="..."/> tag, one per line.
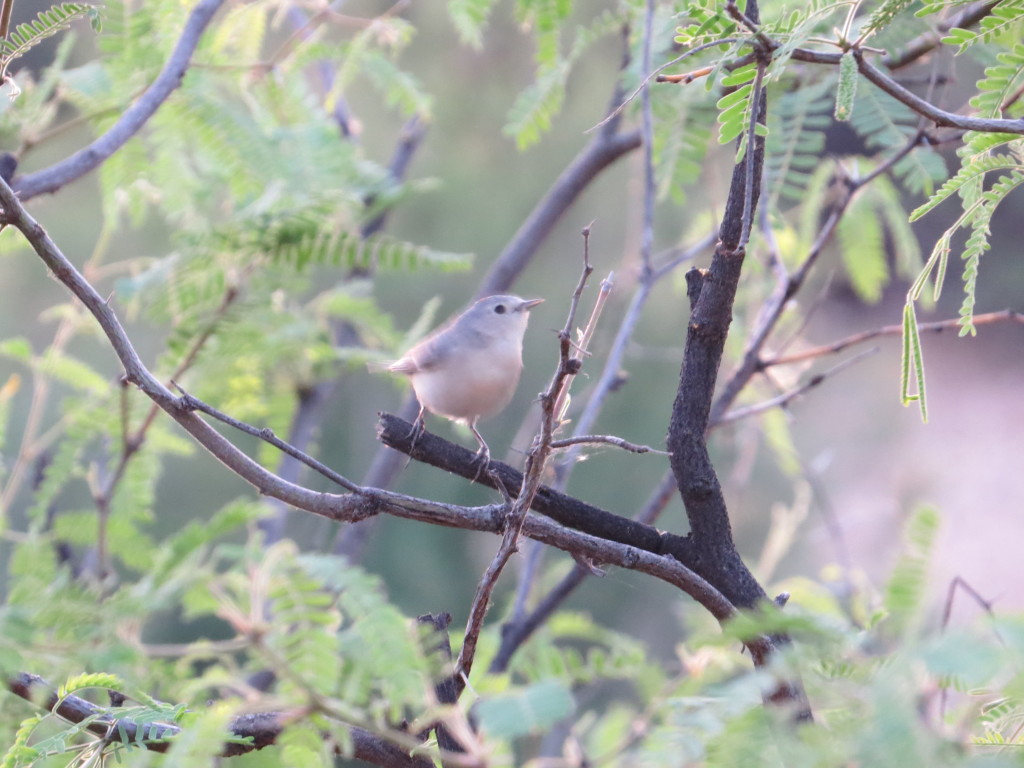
<point x="535" y="108"/>
<point x="906" y="591"/>
<point x="912" y="363"/>
<point x="18" y="348"/>
<point x="470" y="18"/>
<point x="969" y="172"/>
<point x="883" y="15"/>
<point x="25" y="37"/>
<point x="863" y="249"/>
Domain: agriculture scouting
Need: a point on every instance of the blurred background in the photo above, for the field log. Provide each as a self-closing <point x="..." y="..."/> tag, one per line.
<point x="867" y="462"/>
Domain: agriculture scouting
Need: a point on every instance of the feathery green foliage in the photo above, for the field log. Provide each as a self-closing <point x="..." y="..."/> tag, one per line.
<point x="531" y="115"/>
<point x="797" y="122"/>
<point x="905" y="592"/>
<point x="470" y="18"/>
<point x="25" y="37"/>
<point x="886" y="124"/>
<point x="1006" y="18"/>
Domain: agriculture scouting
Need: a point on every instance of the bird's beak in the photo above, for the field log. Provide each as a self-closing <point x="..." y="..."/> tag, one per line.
<point x="526" y="306"/>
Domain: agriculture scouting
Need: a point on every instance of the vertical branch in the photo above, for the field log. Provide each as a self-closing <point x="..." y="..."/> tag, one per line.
<point x="710" y="532"/>
<point x="5" y="18"/>
<point x="748" y="184"/>
<point x="536" y="460"/>
<point x="647" y="127"/>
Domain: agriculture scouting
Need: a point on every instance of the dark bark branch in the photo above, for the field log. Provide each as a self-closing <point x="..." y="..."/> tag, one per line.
<point x="262" y="729"/>
<point x="709" y="324"/>
<point x="132" y="119"/>
<point x="433" y="450"/>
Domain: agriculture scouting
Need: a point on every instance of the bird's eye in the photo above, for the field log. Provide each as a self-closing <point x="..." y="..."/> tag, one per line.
<point x="500" y="309"/>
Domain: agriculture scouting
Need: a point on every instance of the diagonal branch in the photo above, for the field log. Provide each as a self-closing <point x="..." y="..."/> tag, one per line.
<point x="1006" y="315"/>
<point x="131" y="121"/>
<point x="938" y="116"/>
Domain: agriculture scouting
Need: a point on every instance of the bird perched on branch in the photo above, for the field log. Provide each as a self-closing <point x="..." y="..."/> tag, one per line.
<point x="468" y="369"/>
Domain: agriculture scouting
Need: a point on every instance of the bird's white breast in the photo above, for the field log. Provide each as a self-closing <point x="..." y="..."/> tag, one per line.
<point x="475" y="382"/>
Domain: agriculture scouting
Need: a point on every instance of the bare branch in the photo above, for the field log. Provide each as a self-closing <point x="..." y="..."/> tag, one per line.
<point x="536" y="460"/>
<point x="515" y="632"/>
<point x="787" y="397"/>
<point x="132" y="119"/>
<point x="189" y="402"/>
<point x="618" y="442"/>
<point x="939" y="117"/>
<point x="1006" y="315"/>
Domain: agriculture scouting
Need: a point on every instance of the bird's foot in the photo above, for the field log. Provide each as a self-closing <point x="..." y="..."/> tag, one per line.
<point x="483" y="456"/>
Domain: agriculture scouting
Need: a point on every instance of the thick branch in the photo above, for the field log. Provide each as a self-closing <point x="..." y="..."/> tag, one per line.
<point x="705" y="342"/>
<point x="566" y="510"/>
<point x="131" y="121"/>
<point x="262" y="728"/>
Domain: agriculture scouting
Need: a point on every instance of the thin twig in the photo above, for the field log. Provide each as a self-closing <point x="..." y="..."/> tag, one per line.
<point x="536" y="460"/>
<point x="748" y="196"/>
<point x="647" y="126"/>
<point x="190" y="402"/>
<point x="618" y="442"/>
<point x="1006" y="315"/>
<point x="643" y="84"/>
<point x="787" y="397"/>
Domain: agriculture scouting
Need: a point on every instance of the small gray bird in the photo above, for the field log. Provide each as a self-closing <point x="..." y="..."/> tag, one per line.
<point x="469" y="369"/>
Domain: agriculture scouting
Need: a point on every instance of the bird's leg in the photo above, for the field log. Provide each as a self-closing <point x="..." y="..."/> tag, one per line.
<point x="484" y="453"/>
<point x="418" y="428"/>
